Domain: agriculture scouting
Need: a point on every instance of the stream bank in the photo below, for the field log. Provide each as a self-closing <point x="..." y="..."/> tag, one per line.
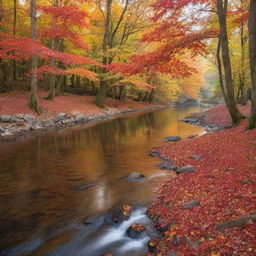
<point x="210" y="209"/>
<point x="22" y="125"/>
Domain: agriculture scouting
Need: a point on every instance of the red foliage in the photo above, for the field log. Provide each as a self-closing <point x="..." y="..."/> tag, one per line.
<point x="220" y="115"/>
<point x="176" y="35"/>
<point x="16" y="102"/>
<point x="70" y="14"/>
<point x="227" y="159"/>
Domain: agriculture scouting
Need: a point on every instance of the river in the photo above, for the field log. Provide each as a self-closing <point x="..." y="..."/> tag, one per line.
<point x="41" y="203"/>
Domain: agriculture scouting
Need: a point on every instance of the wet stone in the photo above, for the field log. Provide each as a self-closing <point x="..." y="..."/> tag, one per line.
<point x="135" y="230"/>
<point x="135" y="176"/>
<point x="172" y="138"/>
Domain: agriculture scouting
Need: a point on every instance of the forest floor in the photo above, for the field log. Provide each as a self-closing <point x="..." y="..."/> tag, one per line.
<point x="18" y="120"/>
<point x="16" y="102"/>
<point x="222" y="188"/>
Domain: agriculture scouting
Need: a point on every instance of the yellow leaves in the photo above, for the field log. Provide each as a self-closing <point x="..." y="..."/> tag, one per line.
<point x="172" y="235"/>
<point x="215" y="254"/>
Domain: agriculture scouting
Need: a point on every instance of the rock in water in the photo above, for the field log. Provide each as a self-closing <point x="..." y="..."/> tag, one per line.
<point x="135" y="176"/>
<point x="83" y="187"/>
<point x="135" y="230"/>
<point x="172" y="138"/>
<point x="187" y="168"/>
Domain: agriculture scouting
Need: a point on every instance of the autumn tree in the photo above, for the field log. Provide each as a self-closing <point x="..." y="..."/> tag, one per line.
<point x="252" y="52"/>
<point x="33" y="101"/>
<point x="229" y="89"/>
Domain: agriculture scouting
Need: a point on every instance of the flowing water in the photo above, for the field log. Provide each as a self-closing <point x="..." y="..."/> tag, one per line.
<point x="43" y="199"/>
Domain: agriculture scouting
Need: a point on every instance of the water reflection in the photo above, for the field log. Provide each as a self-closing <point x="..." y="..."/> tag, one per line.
<point x="38" y="176"/>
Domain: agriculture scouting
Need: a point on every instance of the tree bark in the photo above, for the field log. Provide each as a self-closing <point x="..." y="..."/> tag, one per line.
<point x="230" y="100"/>
<point x="252" y="57"/>
<point x="33" y="101"/>
<point x="100" y="98"/>
<point x="14" y="33"/>
<point x="54" y="46"/>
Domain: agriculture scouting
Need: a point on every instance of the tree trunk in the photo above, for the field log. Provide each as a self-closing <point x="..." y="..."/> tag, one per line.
<point x="230" y="101"/>
<point x="14" y="33"/>
<point x="54" y="46"/>
<point x="151" y="96"/>
<point x="140" y="96"/>
<point x="78" y="81"/>
<point x="33" y="102"/>
<point x="242" y="98"/>
<point x="59" y="84"/>
<point x="252" y="56"/>
<point x="101" y="96"/>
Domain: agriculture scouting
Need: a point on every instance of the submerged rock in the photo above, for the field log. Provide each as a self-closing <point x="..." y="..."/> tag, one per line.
<point x="172" y="138"/>
<point x="187" y="168"/>
<point x="135" y="176"/>
<point x="83" y="187"/>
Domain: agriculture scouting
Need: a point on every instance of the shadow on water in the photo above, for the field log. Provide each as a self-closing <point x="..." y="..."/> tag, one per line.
<point x="40" y="178"/>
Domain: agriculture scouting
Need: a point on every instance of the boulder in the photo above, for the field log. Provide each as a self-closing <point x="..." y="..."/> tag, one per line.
<point x="191" y="204"/>
<point x="79" y="118"/>
<point x="135" y="230"/>
<point x="29" y="118"/>
<point x="166" y="165"/>
<point x="240" y="222"/>
<point x="172" y="138"/>
<point x="61" y="116"/>
<point x="48" y="123"/>
<point x="187" y="168"/>
<point x="135" y="176"/>
<point x="6" y="118"/>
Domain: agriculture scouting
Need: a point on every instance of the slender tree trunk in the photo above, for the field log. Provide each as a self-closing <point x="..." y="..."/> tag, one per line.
<point x="33" y="101"/>
<point x="145" y="96"/>
<point x="73" y="81"/>
<point x="14" y="33"/>
<point x="101" y="96"/>
<point x="242" y="98"/>
<point x="252" y="56"/>
<point x="151" y="96"/>
<point x="231" y="103"/>
<point x="54" y="46"/>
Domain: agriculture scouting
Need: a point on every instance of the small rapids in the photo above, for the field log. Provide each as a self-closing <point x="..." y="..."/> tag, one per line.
<point x="99" y="238"/>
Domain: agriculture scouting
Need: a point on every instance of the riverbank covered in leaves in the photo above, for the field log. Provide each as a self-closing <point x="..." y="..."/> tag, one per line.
<point x="17" y="119"/>
<point x="210" y="209"/>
